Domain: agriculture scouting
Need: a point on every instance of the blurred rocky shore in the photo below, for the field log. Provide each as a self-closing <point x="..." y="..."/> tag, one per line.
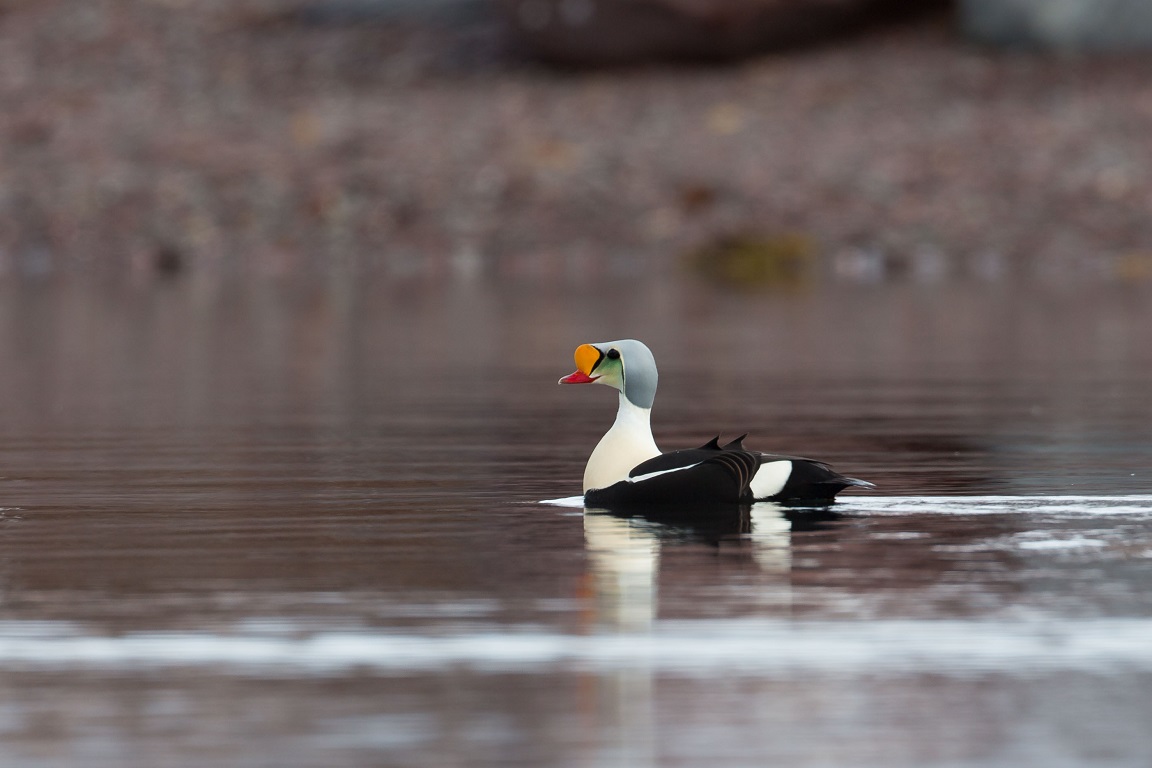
<point x="281" y="136"/>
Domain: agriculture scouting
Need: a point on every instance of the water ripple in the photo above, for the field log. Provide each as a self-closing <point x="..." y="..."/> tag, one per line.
<point x="1061" y="506"/>
<point x="755" y="647"/>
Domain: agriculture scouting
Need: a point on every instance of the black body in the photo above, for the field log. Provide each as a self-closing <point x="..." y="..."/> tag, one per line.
<point x="717" y="476"/>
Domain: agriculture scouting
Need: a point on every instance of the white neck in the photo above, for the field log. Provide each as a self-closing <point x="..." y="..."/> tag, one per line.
<point x="628" y="443"/>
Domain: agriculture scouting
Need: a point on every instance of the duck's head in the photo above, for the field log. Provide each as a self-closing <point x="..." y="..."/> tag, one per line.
<point x="627" y="365"/>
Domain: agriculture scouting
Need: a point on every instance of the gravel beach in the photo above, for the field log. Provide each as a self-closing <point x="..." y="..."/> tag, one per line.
<point x="163" y="135"/>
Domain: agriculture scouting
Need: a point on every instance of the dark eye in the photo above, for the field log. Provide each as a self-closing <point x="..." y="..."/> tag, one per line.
<point x="613" y="354"/>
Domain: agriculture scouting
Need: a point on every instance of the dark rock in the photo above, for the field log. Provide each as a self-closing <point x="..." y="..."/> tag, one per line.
<point x="608" y="32"/>
<point x="168" y="261"/>
<point x="1067" y="24"/>
<point x="337" y="12"/>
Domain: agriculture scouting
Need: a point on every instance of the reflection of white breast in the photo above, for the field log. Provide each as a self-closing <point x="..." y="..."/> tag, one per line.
<point x="771" y="538"/>
<point x="627" y="444"/>
<point x="624" y="562"/>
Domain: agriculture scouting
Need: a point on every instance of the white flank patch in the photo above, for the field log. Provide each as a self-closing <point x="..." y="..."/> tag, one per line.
<point x="770" y="479"/>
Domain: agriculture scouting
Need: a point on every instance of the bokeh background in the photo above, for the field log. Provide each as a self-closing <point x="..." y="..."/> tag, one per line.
<point x="756" y="141"/>
<point x="286" y="286"/>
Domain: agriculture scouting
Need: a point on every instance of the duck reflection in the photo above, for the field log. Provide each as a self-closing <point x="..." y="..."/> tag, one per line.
<point x="770" y="533"/>
<point x="624" y="556"/>
<point x="625" y="551"/>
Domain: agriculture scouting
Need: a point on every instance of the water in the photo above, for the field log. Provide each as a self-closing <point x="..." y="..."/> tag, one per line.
<point x="300" y="524"/>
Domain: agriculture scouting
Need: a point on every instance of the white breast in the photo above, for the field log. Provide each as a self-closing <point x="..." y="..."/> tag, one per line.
<point x="628" y="443"/>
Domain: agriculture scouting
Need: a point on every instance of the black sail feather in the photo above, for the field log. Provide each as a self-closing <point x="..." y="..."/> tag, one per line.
<point x="688" y="457"/>
<point x="735" y="445"/>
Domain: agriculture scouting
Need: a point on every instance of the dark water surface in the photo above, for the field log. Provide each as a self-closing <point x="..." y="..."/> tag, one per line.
<point x="275" y="524"/>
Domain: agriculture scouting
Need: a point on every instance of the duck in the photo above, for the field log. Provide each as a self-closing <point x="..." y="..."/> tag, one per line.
<point x="628" y="471"/>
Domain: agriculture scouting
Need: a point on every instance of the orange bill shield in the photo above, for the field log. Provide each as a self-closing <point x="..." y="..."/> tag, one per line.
<point x="587" y="358"/>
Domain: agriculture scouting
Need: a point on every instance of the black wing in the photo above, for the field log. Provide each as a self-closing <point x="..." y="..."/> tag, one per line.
<point x="720" y="479"/>
<point x="679" y="459"/>
<point x="811" y="481"/>
<point x="808" y="481"/>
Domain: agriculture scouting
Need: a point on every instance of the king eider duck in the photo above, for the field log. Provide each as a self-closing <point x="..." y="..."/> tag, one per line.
<point x="627" y="470"/>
